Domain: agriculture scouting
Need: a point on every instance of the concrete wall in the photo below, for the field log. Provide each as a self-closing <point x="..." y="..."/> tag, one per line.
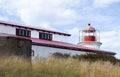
<point x="43" y="51"/>
<point x="10" y="46"/>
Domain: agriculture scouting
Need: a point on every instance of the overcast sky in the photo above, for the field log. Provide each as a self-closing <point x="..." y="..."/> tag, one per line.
<point x="68" y="16"/>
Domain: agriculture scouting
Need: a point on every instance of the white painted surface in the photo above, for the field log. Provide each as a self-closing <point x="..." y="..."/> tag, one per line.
<point x="7" y="29"/>
<point x="61" y="38"/>
<point x="43" y="51"/>
<point x="34" y="34"/>
<point x="91" y="44"/>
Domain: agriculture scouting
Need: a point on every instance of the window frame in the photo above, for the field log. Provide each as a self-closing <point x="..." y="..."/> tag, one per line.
<point x="23" y="32"/>
<point x="45" y="36"/>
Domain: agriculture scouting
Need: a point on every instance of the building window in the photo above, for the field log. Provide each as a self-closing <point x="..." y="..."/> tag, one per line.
<point x="22" y="32"/>
<point x="45" y="36"/>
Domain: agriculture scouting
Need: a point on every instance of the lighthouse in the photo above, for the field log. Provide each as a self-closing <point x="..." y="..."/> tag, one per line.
<point x="90" y="37"/>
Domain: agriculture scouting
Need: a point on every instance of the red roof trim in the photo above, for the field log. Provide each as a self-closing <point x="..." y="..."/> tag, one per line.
<point x="67" y="46"/>
<point x="32" y="28"/>
<point x="57" y="44"/>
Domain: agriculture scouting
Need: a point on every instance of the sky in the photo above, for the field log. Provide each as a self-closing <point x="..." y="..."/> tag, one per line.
<point x="68" y="16"/>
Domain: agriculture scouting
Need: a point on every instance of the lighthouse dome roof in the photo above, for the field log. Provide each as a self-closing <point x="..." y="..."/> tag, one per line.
<point x="89" y="28"/>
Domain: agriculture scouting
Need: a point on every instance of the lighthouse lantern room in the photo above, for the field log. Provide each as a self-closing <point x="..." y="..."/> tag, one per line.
<point x="90" y="37"/>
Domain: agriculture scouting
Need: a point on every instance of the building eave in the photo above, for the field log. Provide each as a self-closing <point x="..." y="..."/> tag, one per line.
<point x="70" y="46"/>
<point x="32" y="28"/>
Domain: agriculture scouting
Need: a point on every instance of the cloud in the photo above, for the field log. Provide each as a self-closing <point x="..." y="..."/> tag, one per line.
<point x="37" y="12"/>
<point x="97" y="18"/>
<point x="74" y="31"/>
<point x="74" y="35"/>
<point x="103" y="3"/>
<point x="110" y="40"/>
<point x="4" y="18"/>
<point x="53" y="12"/>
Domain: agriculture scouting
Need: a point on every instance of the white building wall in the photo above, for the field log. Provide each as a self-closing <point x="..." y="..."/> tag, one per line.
<point x="7" y="29"/>
<point x="62" y="38"/>
<point x="43" y="51"/>
<point x="55" y="37"/>
<point x="34" y="34"/>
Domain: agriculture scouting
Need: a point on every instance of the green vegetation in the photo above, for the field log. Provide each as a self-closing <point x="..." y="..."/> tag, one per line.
<point x="89" y="57"/>
<point x="57" y="67"/>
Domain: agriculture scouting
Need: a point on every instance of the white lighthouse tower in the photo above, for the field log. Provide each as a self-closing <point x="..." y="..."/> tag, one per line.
<point x="90" y="37"/>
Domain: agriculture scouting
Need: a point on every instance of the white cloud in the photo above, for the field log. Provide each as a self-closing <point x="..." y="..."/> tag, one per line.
<point x="74" y="31"/>
<point x="54" y="12"/>
<point x="110" y="40"/>
<point x="3" y="18"/>
<point x="74" y="35"/>
<point x="99" y="18"/>
<point x="103" y="3"/>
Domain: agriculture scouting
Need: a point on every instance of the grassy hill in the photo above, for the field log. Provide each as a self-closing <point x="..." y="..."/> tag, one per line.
<point x="57" y="67"/>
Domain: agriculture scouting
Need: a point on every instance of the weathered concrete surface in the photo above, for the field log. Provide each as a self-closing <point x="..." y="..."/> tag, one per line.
<point x="15" y="46"/>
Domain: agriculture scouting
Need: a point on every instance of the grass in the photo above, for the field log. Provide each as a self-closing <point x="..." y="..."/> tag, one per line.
<point x="56" y="67"/>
